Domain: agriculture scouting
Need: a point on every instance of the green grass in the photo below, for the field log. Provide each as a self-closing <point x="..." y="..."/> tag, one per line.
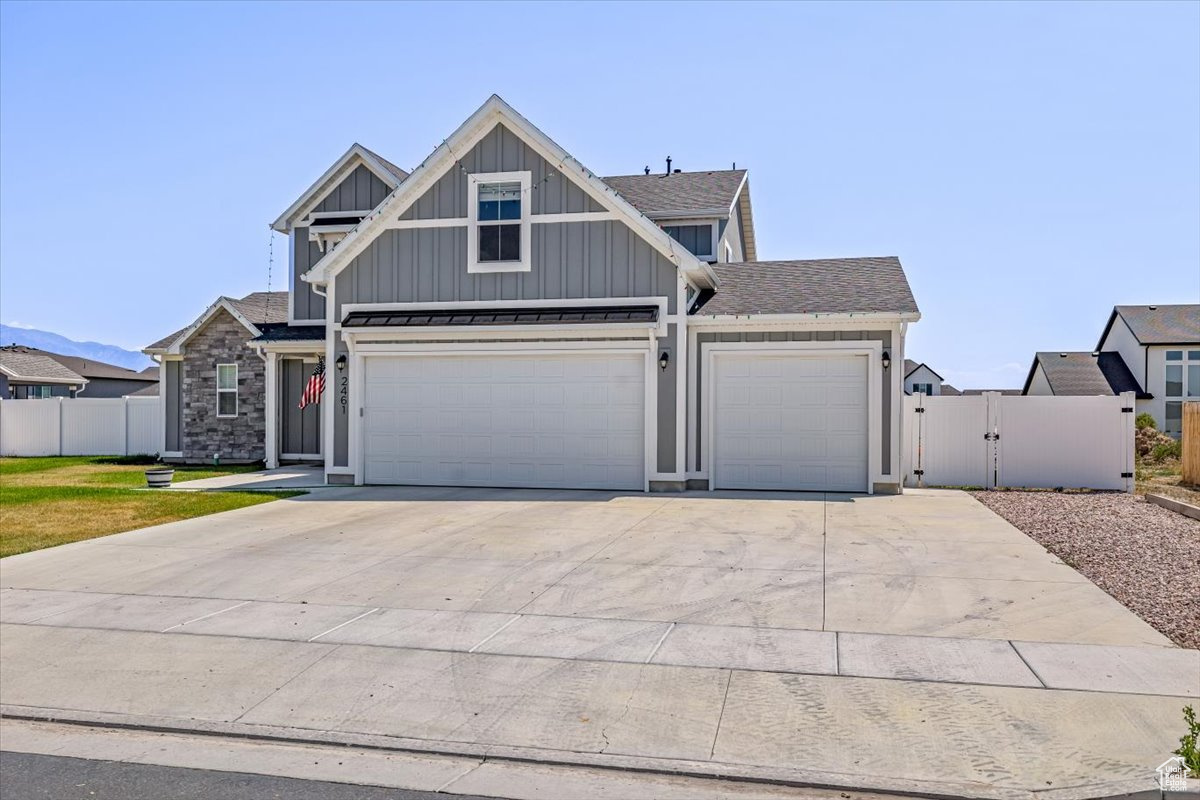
<point x="50" y="501"/>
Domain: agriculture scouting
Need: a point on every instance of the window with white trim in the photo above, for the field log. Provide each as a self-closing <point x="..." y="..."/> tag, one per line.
<point x="1182" y="384"/>
<point x="227" y="386"/>
<point x="699" y="238"/>
<point x="498" y="215"/>
<point x="922" y="388"/>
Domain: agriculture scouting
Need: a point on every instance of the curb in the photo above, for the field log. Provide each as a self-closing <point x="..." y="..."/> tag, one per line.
<point x="776" y="776"/>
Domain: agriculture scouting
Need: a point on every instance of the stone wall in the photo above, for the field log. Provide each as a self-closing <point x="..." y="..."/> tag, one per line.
<point x="240" y="438"/>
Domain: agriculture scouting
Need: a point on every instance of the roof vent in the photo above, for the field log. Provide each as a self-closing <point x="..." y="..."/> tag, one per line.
<point x="1153" y="308"/>
<point x="678" y="171"/>
<point x="1062" y="355"/>
<point x="647" y="169"/>
<point x="1095" y="354"/>
<point x="668" y="165"/>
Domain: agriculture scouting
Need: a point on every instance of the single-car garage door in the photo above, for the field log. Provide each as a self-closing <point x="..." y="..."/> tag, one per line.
<point x="790" y="422"/>
<point x="570" y="421"/>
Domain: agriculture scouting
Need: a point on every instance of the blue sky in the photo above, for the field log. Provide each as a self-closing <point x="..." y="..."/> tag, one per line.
<point x="1031" y="164"/>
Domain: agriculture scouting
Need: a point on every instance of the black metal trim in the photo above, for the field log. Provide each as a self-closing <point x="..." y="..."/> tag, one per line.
<point x="464" y="317"/>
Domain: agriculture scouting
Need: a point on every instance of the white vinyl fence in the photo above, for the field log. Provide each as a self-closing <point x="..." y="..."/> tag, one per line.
<point x="995" y="440"/>
<point x="78" y="426"/>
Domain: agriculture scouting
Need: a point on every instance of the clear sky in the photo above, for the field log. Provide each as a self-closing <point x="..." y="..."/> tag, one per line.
<point x="1031" y="164"/>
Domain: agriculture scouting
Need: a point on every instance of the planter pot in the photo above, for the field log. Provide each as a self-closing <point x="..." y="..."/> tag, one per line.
<point x="159" y="478"/>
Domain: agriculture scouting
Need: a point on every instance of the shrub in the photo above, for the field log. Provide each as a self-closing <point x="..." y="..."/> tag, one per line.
<point x="1145" y="420"/>
<point x="1164" y="450"/>
<point x="1153" y="445"/>
<point x="1189" y="746"/>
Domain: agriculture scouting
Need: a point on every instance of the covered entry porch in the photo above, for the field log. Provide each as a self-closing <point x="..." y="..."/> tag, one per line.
<point x="293" y="434"/>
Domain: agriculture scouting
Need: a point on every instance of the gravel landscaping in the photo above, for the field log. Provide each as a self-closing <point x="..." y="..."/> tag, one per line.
<point x="1145" y="556"/>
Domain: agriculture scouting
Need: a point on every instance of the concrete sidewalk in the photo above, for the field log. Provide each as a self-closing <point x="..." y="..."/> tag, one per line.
<point x="915" y="643"/>
<point x="280" y="479"/>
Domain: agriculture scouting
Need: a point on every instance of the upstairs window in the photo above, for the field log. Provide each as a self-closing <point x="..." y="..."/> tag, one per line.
<point x="1182" y="384"/>
<point x="699" y="239"/>
<point x="499" y="222"/>
<point x="923" y="388"/>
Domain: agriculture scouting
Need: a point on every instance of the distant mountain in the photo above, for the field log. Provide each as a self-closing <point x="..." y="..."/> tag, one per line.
<point x="44" y="340"/>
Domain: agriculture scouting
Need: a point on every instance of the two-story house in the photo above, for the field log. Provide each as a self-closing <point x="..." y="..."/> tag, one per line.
<point x="503" y="316"/>
<point x="919" y="378"/>
<point x="1153" y="351"/>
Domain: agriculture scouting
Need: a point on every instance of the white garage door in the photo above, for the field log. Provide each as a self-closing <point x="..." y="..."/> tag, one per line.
<point x="571" y="421"/>
<point x="790" y="422"/>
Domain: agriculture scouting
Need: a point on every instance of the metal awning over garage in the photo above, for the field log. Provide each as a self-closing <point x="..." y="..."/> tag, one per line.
<point x="566" y="315"/>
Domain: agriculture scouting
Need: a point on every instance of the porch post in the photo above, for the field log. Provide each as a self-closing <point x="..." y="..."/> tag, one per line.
<point x="271" y="455"/>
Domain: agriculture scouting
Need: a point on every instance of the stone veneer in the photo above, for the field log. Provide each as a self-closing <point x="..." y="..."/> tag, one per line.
<point x="242" y="438"/>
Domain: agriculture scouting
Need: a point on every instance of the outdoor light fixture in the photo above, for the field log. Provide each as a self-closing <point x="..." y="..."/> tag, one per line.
<point x="341" y="362"/>
<point x="887" y="359"/>
<point x="664" y="358"/>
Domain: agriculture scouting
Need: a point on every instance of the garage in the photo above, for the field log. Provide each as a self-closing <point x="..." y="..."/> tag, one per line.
<point x="790" y="421"/>
<point x="561" y="420"/>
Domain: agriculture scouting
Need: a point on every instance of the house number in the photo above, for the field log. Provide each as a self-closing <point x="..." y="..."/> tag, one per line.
<point x="344" y="394"/>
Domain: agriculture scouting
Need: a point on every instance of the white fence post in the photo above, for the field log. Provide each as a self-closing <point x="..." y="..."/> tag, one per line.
<point x="1129" y="434"/>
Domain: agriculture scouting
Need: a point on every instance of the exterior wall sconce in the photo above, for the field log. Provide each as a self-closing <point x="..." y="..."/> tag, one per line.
<point x="341" y="362"/>
<point x="664" y="359"/>
<point x="887" y="359"/>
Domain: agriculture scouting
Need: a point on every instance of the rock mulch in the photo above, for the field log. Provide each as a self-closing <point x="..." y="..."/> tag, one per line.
<point x="1145" y="556"/>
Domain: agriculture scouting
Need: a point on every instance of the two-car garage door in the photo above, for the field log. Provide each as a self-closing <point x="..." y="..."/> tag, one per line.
<point x="790" y="421"/>
<point x="573" y="421"/>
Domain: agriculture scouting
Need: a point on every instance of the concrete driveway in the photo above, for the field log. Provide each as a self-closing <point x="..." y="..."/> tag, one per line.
<point x="874" y="642"/>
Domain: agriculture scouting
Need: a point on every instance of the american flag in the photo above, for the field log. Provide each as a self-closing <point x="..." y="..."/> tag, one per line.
<point x="315" y="386"/>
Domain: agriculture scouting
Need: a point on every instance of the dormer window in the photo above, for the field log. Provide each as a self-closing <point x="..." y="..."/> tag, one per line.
<point x="327" y="228"/>
<point x="499" y="222"/>
<point x="700" y="238"/>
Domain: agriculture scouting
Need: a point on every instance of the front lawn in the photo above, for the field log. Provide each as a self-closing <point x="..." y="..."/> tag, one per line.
<point x="50" y="501"/>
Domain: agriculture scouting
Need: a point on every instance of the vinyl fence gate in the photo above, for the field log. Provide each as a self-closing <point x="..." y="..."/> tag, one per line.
<point x="993" y="440"/>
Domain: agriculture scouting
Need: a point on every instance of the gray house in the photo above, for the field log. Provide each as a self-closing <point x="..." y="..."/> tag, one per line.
<point x="503" y="316"/>
<point x="26" y="375"/>
<point x="100" y="379"/>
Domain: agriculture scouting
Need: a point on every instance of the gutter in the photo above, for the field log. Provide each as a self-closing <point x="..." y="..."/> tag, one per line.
<point x="701" y="320"/>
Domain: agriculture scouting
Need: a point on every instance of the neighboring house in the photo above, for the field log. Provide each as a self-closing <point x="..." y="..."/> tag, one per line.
<point x="102" y="380"/>
<point x="921" y="379"/>
<point x="28" y="376"/>
<point x="502" y="316"/>
<point x="1151" y="350"/>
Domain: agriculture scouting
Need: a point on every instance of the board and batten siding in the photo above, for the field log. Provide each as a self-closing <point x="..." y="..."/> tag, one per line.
<point x="174" y="406"/>
<point x="299" y="429"/>
<point x="885" y="429"/>
<point x="362" y="190"/>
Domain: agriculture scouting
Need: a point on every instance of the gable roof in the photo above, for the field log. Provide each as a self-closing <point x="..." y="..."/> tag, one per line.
<point x="681" y="194"/>
<point x="495" y="111"/>
<point x="819" y="286"/>
<point x="1172" y="324"/>
<point x="911" y="366"/>
<point x="385" y="170"/>
<point x="35" y="368"/>
<point x="252" y="310"/>
<point x="87" y="367"/>
<point x="1088" y="374"/>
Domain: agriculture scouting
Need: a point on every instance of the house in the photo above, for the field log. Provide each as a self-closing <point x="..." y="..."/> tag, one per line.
<point x="503" y="316"/>
<point x="919" y="378"/>
<point x="101" y="379"/>
<point x="1151" y="350"/>
<point x="978" y="392"/>
<point x="33" y="375"/>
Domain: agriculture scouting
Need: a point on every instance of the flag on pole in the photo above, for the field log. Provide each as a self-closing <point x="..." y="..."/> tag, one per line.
<point x="315" y="386"/>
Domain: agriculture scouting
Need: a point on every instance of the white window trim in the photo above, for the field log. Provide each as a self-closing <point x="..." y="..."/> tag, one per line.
<point x="525" y="263"/>
<point x="221" y="391"/>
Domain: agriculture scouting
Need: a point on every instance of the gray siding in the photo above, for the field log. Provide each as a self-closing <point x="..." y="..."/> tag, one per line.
<point x="337" y="387"/>
<point x="573" y="259"/>
<point x="174" y="420"/>
<point x="502" y="151"/>
<point x="21" y="391"/>
<point x="666" y="401"/>
<point x="299" y="430"/>
<point x="797" y="336"/>
<point x="731" y="234"/>
<point x="113" y="387"/>
<point x="360" y="191"/>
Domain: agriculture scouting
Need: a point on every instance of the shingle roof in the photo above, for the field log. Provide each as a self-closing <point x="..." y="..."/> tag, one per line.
<point x="1179" y="324"/>
<point x="87" y="367"/>
<point x="830" y="286"/>
<point x="700" y="193"/>
<point x="24" y="366"/>
<point x="145" y="391"/>
<point x="258" y="307"/>
<point x="397" y="171"/>
<point x="1075" y="374"/>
